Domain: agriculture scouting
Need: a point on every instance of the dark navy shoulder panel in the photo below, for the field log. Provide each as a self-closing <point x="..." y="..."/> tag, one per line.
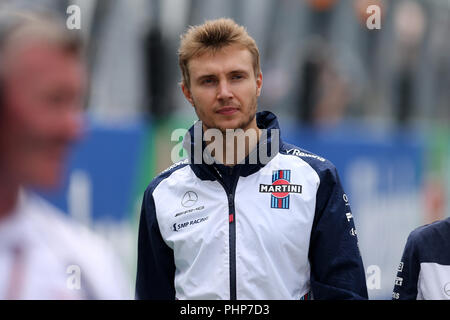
<point x="318" y="163"/>
<point x="156" y="265"/>
<point x="337" y="270"/>
<point x="165" y="174"/>
<point x="324" y="168"/>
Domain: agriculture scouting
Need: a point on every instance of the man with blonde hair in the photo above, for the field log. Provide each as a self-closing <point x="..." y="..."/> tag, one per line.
<point x="231" y="221"/>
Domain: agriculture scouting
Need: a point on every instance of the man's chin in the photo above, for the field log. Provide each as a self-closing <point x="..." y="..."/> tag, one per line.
<point x="48" y="179"/>
<point x="231" y="125"/>
<point x="47" y="184"/>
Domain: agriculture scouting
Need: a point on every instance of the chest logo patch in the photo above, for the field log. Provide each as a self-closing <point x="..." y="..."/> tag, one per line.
<point x="280" y="189"/>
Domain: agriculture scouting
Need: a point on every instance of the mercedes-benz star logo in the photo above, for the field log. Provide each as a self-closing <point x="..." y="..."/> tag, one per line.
<point x="189" y="199"/>
<point x="447" y="289"/>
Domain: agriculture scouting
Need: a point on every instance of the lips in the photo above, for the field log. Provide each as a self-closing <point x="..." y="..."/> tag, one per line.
<point x="227" y="110"/>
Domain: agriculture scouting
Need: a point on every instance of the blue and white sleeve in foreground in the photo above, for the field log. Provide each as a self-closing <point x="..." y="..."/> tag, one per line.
<point x="424" y="272"/>
<point x="405" y="286"/>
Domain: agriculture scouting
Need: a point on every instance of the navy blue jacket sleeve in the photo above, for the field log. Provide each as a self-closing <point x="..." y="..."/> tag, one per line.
<point x="337" y="270"/>
<point x="155" y="266"/>
<point x="405" y="286"/>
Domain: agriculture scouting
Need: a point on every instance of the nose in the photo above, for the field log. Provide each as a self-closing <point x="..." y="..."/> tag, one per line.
<point x="224" y="91"/>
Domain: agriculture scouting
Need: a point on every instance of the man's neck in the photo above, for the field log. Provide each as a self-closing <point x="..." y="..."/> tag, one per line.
<point x="236" y="145"/>
<point x="9" y="193"/>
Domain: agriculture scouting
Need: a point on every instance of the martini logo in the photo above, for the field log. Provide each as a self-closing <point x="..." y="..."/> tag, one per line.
<point x="280" y="189"/>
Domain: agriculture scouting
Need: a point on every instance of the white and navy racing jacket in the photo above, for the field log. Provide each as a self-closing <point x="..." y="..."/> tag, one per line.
<point x="424" y="272"/>
<point x="216" y="232"/>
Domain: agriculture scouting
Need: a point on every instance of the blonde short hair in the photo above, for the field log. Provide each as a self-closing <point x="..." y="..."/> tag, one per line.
<point x="212" y="36"/>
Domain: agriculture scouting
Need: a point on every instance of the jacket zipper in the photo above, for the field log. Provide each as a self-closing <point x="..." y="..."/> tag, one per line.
<point x="232" y="245"/>
<point x="231" y="232"/>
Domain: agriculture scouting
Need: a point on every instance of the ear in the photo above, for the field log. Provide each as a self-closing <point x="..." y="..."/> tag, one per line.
<point x="187" y="93"/>
<point x="259" y="82"/>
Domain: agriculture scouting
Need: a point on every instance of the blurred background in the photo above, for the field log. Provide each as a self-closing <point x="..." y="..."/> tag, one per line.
<point x="374" y="102"/>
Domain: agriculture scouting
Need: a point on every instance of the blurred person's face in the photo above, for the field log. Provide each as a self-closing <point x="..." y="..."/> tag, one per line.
<point x="224" y="88"/>
<point x="42" y="89"/>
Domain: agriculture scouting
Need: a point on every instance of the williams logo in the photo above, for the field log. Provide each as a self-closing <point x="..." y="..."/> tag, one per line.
<point x="280" y="189"/>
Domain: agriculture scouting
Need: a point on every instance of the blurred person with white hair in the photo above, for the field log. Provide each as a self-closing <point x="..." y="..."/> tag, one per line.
<point x="44" y="254"/>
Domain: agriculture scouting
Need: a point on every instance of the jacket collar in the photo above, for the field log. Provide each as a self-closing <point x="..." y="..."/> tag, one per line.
<point x="204" y="165"/>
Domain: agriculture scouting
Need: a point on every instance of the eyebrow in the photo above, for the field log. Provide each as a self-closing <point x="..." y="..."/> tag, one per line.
<point x="205" y="76"/>
<point x="238" y="71"/>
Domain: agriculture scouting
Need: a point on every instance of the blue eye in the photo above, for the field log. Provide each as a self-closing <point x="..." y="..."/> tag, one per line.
<point x="208" y="81"/>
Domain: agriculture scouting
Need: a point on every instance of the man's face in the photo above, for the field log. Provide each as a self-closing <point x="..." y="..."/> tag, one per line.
<point x="224" y="89"/>
<point x="42" y="91"/>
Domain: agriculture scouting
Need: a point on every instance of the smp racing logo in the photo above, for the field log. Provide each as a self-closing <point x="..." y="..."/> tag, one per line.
<point x="280" y="189"/>
<point x="179" y="226"/>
